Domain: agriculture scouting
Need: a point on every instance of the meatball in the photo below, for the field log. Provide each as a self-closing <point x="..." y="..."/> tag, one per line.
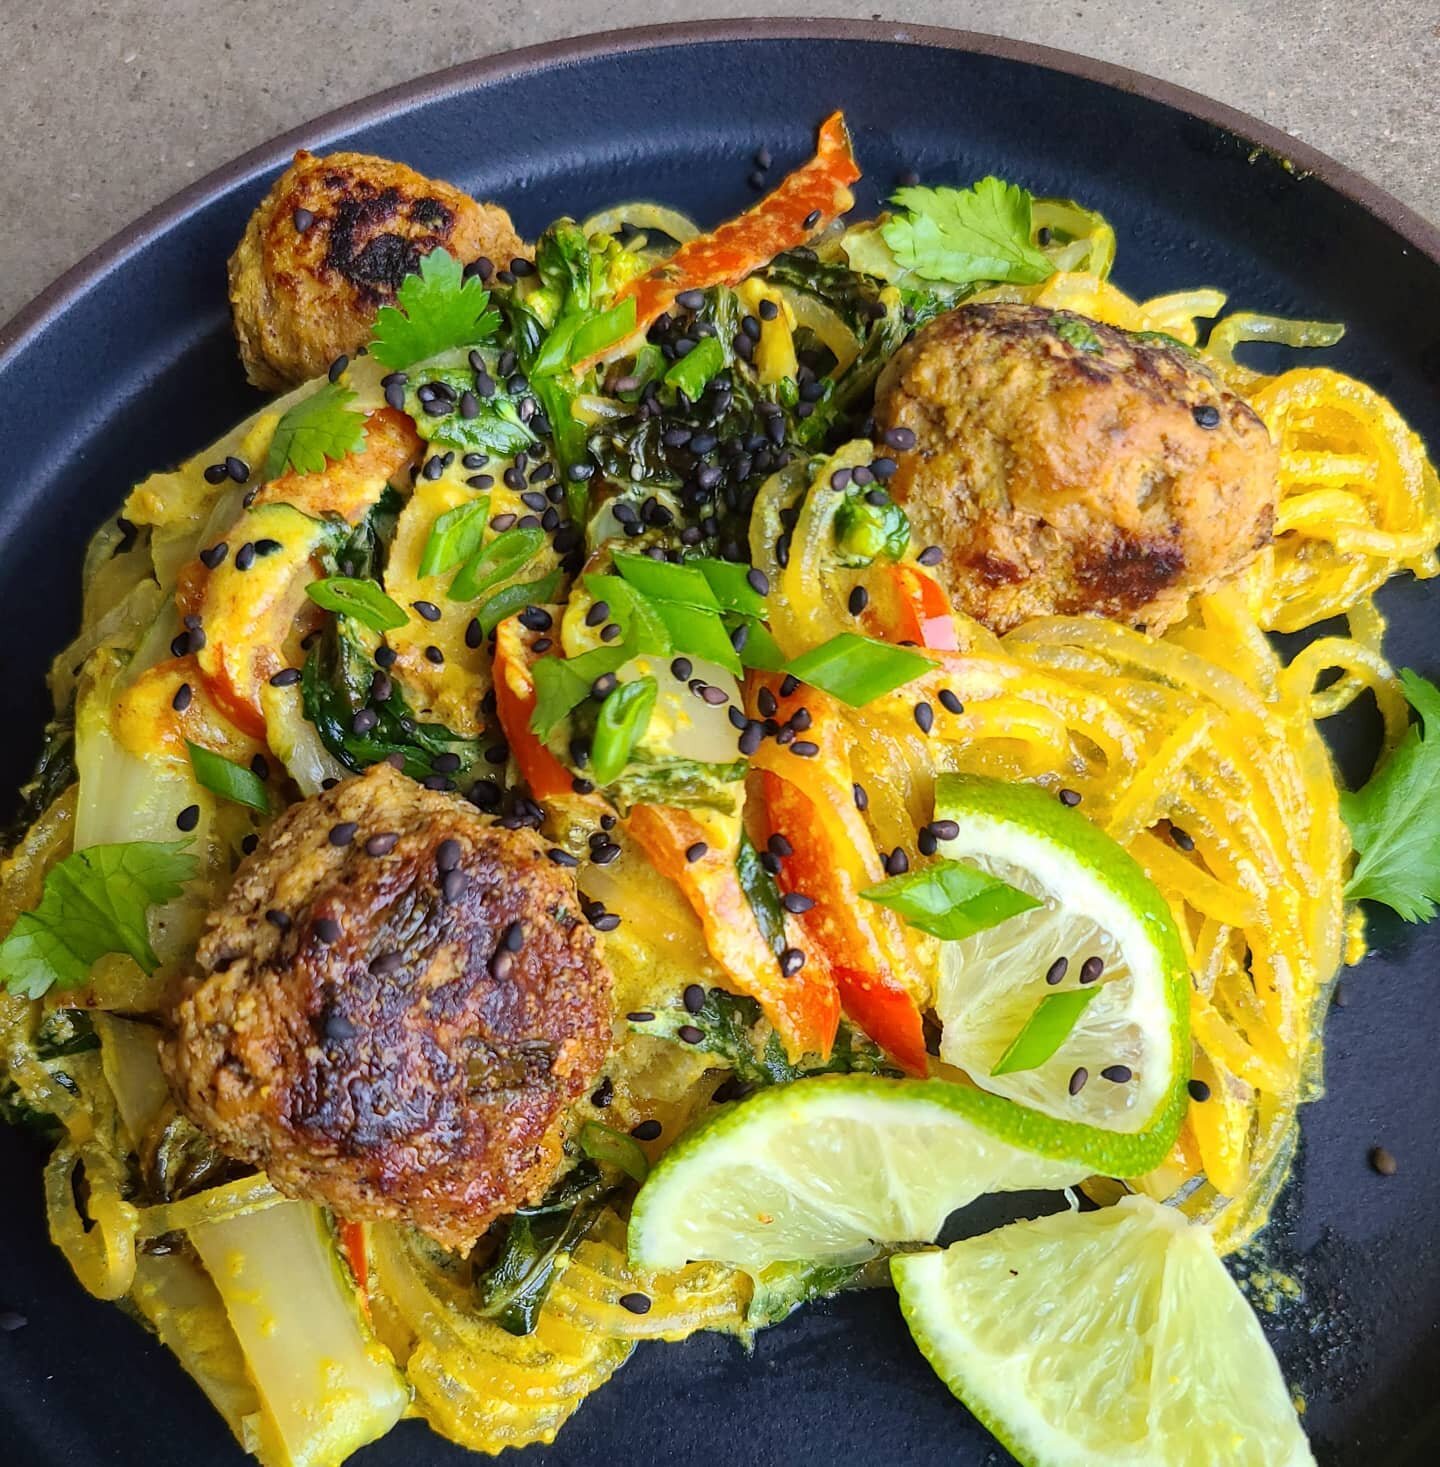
<point x="393" y="1008"/>
<point x="1063" y="466"/>
<point x="330" y="244"/>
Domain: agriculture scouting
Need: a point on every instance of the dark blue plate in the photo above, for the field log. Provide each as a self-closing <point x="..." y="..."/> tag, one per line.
<point x="127" y="365"/>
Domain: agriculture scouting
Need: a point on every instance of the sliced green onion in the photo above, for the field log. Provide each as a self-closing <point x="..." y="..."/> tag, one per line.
<point x="666" y="582"/>
<point x="510" y="599"/>
<point x="611" y="1148"/>
<point x="731" y="586"/>
<point x="690" y="374"/>
<point x="649" y="364"/>
<point x="227" y="779"/>
<point x="699" y="633"/>
<point x="604" y="330"/>
<point x="454" y="537"/>
<point x="632" y="611"/>
<point x="1045" y="1030"/>
<point x="857" y="669"/>
<point x="620" y="725"/>
<point x="950" y="899"/>
<point x="561" y="683"/>
<point x="761" y="650"/>
<point x="497" y="562"/>
<point x="359" y="599"/>
<point x="555" y="350"/>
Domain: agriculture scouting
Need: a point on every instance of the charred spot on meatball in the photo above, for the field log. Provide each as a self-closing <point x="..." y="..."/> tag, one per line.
<point x="406" y="1044"/>
<point x="330" y="244"/>
<point x="1068" y="467"/>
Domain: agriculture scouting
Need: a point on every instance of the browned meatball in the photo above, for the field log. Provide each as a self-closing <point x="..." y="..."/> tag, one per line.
<point x="330" y="244"/>
<point x="1064" y="466"/>
<point x="394" y="1006"/>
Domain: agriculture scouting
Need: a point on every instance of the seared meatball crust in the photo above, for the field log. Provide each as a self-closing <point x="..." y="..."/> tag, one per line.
<point x="1066" y="467"/>
<point x="330" y="244"/>
<point x="393" y="1008"/>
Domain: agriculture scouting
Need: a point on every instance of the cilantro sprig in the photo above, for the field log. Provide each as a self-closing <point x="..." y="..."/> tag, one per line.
<point x="1394" y="819"/>
<point x="317" y="428"/>
<point x="94" y="902"/>
<point x="960" y="236"/>
<point x="435" y="310"/>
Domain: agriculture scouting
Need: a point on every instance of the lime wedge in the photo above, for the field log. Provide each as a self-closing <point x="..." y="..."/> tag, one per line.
<point x="825" y="1169"/>
<point x="1114" y="1336"/>
<point x="1120" y="1063"/>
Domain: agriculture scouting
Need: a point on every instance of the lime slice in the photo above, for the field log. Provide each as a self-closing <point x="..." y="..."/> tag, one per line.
<point x="825" y="1169"/>
<point x="1102" y="927"/>
<point x="1114" y="1336"/>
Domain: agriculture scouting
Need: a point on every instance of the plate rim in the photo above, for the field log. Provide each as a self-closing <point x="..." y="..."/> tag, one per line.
<point x="32" y="320"/>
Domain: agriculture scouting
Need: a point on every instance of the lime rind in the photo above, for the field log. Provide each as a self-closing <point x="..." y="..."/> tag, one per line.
<point x="1080" y="866"/>
<point x="1115" y="1336"/>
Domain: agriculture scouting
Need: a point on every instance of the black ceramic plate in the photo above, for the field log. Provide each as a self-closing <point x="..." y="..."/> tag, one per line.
<point x="127" y="365"/>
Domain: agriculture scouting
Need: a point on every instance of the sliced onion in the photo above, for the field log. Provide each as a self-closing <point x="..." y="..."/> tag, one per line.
<point x="810" y="311"/>
<point x="680" y="227"/>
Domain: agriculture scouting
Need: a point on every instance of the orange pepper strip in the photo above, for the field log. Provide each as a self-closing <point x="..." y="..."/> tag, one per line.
<point x="804" y="1008"/>
<point x="913" y="608"/>
<point x="811" y="802"/>
<point x="348" y="487"/>
<point x="803" y="205"/>
<point x="514" y="705"/>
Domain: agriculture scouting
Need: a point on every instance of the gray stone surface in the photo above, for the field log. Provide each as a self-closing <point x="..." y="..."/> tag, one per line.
<point x="109" y="106"/>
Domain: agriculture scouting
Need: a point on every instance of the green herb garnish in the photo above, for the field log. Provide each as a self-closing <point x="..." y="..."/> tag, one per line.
<point x="497" y="562"/>
<point x="435" y="310"/>
<point x="94" y="902"/>
<point x="690" y="374"/>
<point x="454" y="537"/>
<point x="505" y="602"/>
<point x="961" y="236"/>
<point x="315" y="430"/>
<point x="612" y="1148"/>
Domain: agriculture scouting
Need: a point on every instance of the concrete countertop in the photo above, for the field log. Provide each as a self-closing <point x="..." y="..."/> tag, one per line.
<point x="110" y="106"/>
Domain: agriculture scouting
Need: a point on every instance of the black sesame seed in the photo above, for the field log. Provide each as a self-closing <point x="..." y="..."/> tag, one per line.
<point x="693" y="998"/>
<point x="250" y="844"/>
<point x="278" y="919"/>
<point x="390" y="962"/>
<point x="337" y="367"/>
<point x="302" y="219"/>
<point x="603" y="855"/>
<point x="448" y="854"/>
<point x="1070" y="798"/>
<point x="750" y="741"/>
<point x="924" y="717"/>
<point x="804" y="748"/>
<point x="635" y="1303"/>
<point x="214" y="555"/>
<point x="182" y="699"/>
<point x="795" y="902"/>
<point x="502" y="964"/>
<point x="188" y="818"/>
<point x="1182" y="838"/>
<point x="646" y="1130"/>
<point x="690" y="1034"/>
<point x="696" y="852"/>
<point x="1207" y="415"/>
<point x="926" y="842"/>
<point x="427" y="609"/>
<point x="343" y="833"/>
<point x="287" y="677"/>
<point x="435" y="655"/>
<point x="897" y="863"/>
<point x="945" y="829"/>
<point x="603" y="1093"/>
<point x="1078" y="1079"/>
<point x="811" y="219"/>
<point x="514" y="935"/>
<point x="1199" y="1091"/>
<point x="791" y="961"/>
<point x="1057" y="970"/>
<point x="382" y="844"/>
<point x="901" y="438"/>
<point x="474" y="632"/>
<point x="1383" y="1161"/>
<point x="949" y="702"/>
<point x="859" y="600"/>
<point x="681" y="668"/>
<point x="931" y="555"/>
<point x="758" y="581"/>
<point x="1091" y="969"/>
<point x="862" y="800"/>
<point x="326" y="930"/>
<point x="245" y="557"/>
<point x="1117" y="1074"/>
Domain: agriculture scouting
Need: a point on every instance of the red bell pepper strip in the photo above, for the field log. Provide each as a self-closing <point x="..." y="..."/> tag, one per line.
<point x="810" y="801"/>
<point x="803" y="205"/>
<point x="910" y="605"/>
<point x="352" y="1245"/>
<point x="804" y="1008"/>
<point x="514" y="705"/>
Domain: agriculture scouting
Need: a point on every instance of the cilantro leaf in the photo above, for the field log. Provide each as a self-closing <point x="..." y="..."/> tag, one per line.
<point x="959" y="236"/>
<point x="94" y="902"/>
<point x="319" y="427"/>
<point x="434" y="311"/>
<point x="1395" y="819"/>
